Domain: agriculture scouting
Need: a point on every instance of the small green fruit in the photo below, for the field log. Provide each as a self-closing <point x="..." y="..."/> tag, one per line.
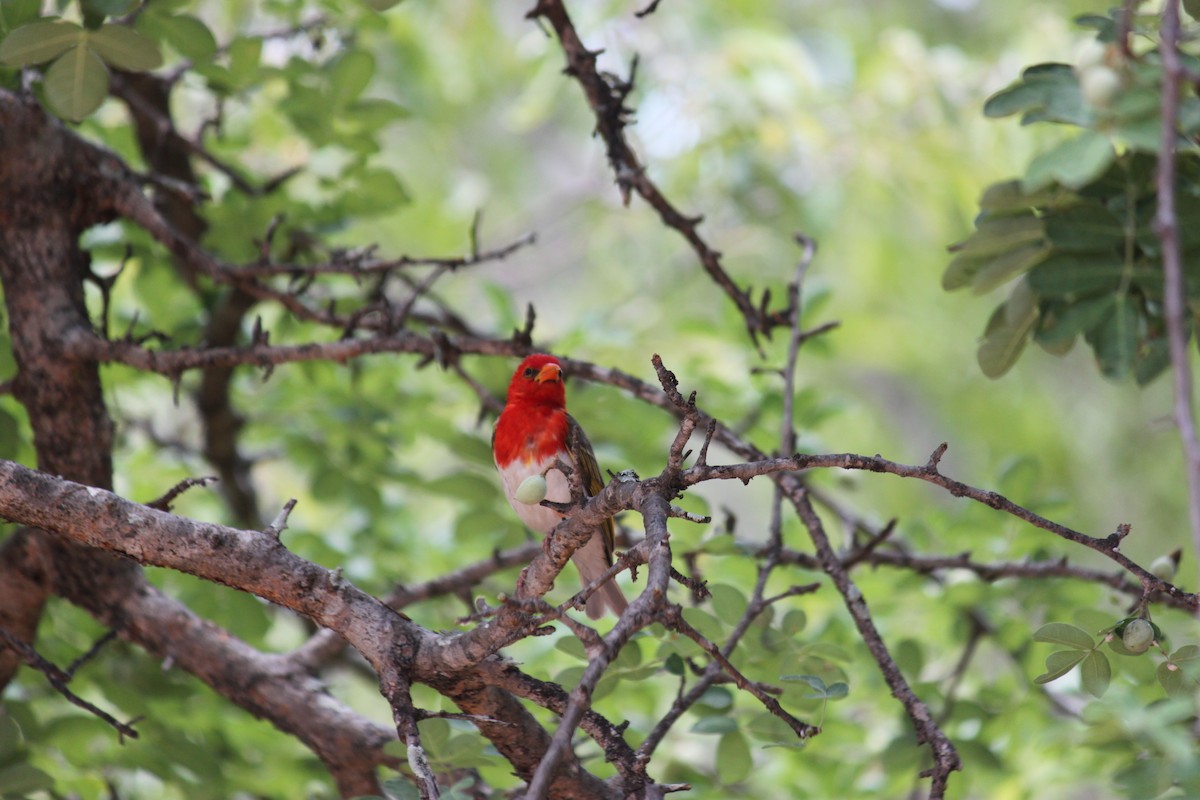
<point x="531" y="491"/>
<point x="1138" y="636"/>
<point x="1163" y="568"/>
<point x="1099" y="85"/>
<point x="1091" y="54"/>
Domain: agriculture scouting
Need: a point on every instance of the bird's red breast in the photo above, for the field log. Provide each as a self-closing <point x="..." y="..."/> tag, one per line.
<point x="534" y="423"/>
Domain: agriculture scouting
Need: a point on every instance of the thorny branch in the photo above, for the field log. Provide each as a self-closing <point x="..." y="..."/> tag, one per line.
<point x="607" y="97"/>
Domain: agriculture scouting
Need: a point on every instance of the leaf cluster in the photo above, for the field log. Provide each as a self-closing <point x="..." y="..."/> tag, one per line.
<point x="79" y="57"/>
<point x="1075" y="236"/>
<point x="1176" y="673"/>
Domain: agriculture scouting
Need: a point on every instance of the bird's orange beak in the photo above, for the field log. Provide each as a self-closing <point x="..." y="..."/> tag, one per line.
<point x="551" y="373"/>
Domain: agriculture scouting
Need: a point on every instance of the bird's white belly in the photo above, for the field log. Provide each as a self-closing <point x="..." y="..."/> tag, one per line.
<point x="539" y="519"/>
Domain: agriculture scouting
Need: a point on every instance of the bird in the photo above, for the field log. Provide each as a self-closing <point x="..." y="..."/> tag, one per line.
<point x="533" y="432"/>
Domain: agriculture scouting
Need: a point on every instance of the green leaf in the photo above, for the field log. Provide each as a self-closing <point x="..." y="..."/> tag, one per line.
<point x="1059" y="663"/>
<point x="715" y="724"/>
<point x="245" y="54"/>
<point x="125" y="48"/>
<point x="20" y="779"/>
<point x="1077" y="274"/>
<point x="1021" y="303"/>
<point x="381" y="5"/>
<point x="996" y="239"/>
<point x="838" y="690"/>
<point x="1170" y="677"/>
<point x="708" y="625"/>
<point x="1153" y="357"/>
<point x="962" y="270"/>
<point x="10" y="738"/>
<point x="10" y="434"/>
<point x="351" y="73"/>
<point x="571" y="646"/>
<point x="717" y="698"/>
<point x="1095" y="673"/>
<point x="734" y="762"/>
<point x="793" y="622"/>
<point x="1073" y="163"/>
<point x="464" y="750"/>
<point x="1192" y="7"/>
<point x="1115" y="340"/>
<point x="1046" y="92"/>
<point x="187" y="34"/>
<point x="39" y="42"/>
<point x="1117" y="646"/>
<point x="1007" y="197"/>
<point x="1189" y="652"/>
<point x="110" y="8"/>
<point x="1065" y="634"/>
<point x="728" y="603"/>
<point x="1087" y="227"/>
<point x="401" y="789"/>
<point x="463" y="790"/>
<point x="996" y="235"/>
<point x="1006" y="333"/>
<point x="373" y="113"/>
<point x="379" y="191"/>
<point x="14" y="13"/>
<point x="1010" y="264"/>
<point x="77" y="83"/>
<point x="435" y="733"/>
<point x="813" y="681"/>
<point x="1145" y="777"/>
<point x="1064" y="322"/>
<point x="1140" y="135"/>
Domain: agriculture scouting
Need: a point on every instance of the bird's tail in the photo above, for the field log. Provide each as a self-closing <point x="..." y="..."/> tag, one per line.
<point x="592" y="563"/>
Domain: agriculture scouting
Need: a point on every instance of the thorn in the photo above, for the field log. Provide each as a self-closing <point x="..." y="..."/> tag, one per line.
<point x="164" y="503"/>
<point x="935" y="458"/>
<point x="279" y="524"/>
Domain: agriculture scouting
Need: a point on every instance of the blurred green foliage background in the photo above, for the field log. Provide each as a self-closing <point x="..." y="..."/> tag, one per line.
<point x="857" y="123"/>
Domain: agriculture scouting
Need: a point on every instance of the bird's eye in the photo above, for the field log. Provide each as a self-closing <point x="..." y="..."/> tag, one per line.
<point x="530" y="372"/>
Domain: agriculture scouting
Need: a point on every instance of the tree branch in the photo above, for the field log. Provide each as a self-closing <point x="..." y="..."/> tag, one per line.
<point x="1166" y="226"/>
<point x="607" y="97"/>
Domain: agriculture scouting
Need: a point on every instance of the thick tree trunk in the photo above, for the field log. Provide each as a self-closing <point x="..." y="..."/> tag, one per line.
<point x="44" y="207"/>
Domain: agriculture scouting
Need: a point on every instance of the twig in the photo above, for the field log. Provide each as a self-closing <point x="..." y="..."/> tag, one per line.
<point x="164" y="503"/>
<point x="787" y="433"/>
<point x="347" y="265"/>
<point x="92" y="652"/>
<point x="59" y="680"/>
<point x="800" y="461"/>
<point x="648" y="10"/>
<point x="869" y="546"/>
<point x="675" y="621"/>
<point x="945" y="757"/>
